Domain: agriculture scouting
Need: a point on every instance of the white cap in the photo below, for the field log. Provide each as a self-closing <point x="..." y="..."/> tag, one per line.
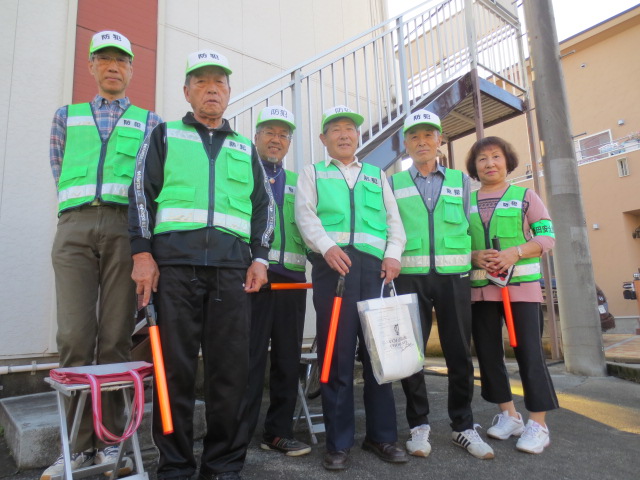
<point x="422" y="117"/>
<point x="276" y="112"/>
<point x="109" y="38"/>
<point x="340" y="111"/>
<point x="203" y="58"/>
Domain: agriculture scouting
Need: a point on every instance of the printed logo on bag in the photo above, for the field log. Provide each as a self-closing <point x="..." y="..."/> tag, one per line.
<point x="396" y="328"/>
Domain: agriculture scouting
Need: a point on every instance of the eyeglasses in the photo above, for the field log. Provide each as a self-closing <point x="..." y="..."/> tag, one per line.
<point x="271" y="135"/>
<point x="103" y="60"/>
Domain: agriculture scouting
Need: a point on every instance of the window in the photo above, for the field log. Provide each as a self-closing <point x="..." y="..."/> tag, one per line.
<point x="623" y="167"/>
<point x="594" y="147"/>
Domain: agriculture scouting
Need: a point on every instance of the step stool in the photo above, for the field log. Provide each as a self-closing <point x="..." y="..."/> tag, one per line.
<point x="68" y="439"/>
<point x="302" y="411"/>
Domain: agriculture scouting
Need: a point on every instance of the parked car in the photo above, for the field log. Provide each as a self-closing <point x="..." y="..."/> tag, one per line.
<point x="607" y="320"/>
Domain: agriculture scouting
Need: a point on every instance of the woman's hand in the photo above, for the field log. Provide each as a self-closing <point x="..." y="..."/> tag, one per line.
<point x="484" y="259"/>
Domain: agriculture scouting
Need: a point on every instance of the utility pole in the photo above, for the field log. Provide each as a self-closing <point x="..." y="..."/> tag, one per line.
<point x="579" y="318"/>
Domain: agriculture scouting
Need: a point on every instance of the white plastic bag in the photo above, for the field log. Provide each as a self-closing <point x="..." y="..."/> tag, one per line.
<point x="392" y="335"/>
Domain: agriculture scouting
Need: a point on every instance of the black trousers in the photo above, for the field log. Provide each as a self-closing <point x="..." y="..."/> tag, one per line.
<point x="450" y="295"/>
<point x="203" y="307"/>
<point x="361" y="283"/>
<point x="277" y="316"/>
<point x="539" y="394"/>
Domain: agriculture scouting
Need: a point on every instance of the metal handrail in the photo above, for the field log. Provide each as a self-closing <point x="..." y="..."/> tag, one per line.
<point x="384" y="71"/>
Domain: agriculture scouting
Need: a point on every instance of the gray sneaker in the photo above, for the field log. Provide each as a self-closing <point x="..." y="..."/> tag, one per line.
<point x="78" y="460"/>
<point x="289" y="446"/>
<point x="110" y="455"/>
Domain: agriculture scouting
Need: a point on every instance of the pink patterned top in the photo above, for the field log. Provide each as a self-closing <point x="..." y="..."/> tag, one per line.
<point x="534" y="211"/>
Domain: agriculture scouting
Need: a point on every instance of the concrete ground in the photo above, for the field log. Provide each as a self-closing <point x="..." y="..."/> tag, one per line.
<point x="595" y="435"/>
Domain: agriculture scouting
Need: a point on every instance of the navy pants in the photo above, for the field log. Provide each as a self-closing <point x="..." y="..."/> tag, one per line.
<point x="361" y="283"/>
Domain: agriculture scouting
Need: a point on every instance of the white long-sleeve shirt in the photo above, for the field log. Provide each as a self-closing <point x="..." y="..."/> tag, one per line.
<point x="311" y="227"/>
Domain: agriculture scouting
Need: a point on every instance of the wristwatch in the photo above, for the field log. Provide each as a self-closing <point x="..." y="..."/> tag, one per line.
<point x="519" y="251"/>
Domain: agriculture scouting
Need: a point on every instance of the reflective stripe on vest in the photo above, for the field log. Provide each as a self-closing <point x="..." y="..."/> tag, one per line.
<point x="288" y="248"/>
<point x="190" y="215"/>
<point x="506" y="223"/>
<point x="187" y="201"/>
<point x="441" y="261"/>
<point x="94" y="169"/>
<point x="289" y="258"/>
<point x="518" y="271"/>
<point x="451" y="252"/>
<point x="355" y="216"/>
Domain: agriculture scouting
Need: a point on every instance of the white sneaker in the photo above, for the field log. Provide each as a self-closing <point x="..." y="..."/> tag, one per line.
<point x="78" y="460"/>
<point x="534" y="439"/>
<point x="418" y="444"/>
<point x="504" y="425"/>
<point x="110" y="455"/>
<point x="471" y="441"/>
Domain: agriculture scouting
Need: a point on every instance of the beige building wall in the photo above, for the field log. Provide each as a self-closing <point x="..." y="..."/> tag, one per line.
<point x="261" y="40"/>
<point x="601" y="68"/>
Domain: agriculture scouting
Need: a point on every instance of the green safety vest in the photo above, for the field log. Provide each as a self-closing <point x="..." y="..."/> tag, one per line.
<point x="288" y="248"/>
<point x="443" y="242"/>
<point x="96" y="169"/>
<point x="506" y="224"/>
<point x="354" y="216"/>
<point x="200" y="192"/>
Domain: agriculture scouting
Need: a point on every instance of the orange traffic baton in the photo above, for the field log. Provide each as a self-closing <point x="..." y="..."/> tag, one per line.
<point x="333" y="329"/>
<point x="506" y="299"/>
<point x="286" y="286"/>
<point x="158" y="369"/>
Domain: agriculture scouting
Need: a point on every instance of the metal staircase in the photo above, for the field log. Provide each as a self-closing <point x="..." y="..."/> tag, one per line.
<point x="462" y="59"/>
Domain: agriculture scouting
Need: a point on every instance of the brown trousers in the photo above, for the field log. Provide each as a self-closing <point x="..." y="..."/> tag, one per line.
<point x="95" y="302"/>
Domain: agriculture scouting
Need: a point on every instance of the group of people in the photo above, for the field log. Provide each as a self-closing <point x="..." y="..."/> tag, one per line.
<point x="204" y="221"/>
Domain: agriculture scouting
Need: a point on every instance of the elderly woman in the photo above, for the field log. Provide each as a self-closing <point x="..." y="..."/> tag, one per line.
<point x="519" y="219"/>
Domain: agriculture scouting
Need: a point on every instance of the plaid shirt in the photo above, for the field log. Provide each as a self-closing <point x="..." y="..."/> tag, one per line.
<point x="106" y="115"/>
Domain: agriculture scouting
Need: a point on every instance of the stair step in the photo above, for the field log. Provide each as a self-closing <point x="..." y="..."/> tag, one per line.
<point x="32" y="428"/>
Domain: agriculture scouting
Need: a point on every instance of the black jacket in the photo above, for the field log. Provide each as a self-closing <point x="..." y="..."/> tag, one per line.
<point x="206" y="246"/>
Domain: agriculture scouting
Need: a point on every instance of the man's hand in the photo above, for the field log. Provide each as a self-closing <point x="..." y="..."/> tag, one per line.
<point x="390" y="269"/>
<point x="146" y="274"/>
<point x="338" y="260"/>
<point x="256" y="277"/>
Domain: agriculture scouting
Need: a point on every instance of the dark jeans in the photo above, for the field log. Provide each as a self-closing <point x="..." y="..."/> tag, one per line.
<point x="361" y="283"/>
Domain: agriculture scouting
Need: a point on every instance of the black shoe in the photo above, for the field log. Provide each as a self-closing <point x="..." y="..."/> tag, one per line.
<point x="336" y="460"/>
<point x="389" y="452"/>
<point x="289" y="446"/>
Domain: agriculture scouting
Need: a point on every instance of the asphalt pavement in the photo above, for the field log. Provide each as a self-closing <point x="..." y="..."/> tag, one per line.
<point x="595" y="435"/>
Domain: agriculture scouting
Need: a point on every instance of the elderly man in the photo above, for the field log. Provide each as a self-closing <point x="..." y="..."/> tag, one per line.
<point x="92" y="151"/>
<point x="201" y="228"/>
<point x="278" y="315"/>
<point x="434" y="206"/>
<point x="348" y="217"/>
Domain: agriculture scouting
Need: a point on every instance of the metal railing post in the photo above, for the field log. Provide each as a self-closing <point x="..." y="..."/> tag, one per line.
<point x="298" y="135"/>
<point x="403" y="67"/>
<point x="473" y="60"/>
